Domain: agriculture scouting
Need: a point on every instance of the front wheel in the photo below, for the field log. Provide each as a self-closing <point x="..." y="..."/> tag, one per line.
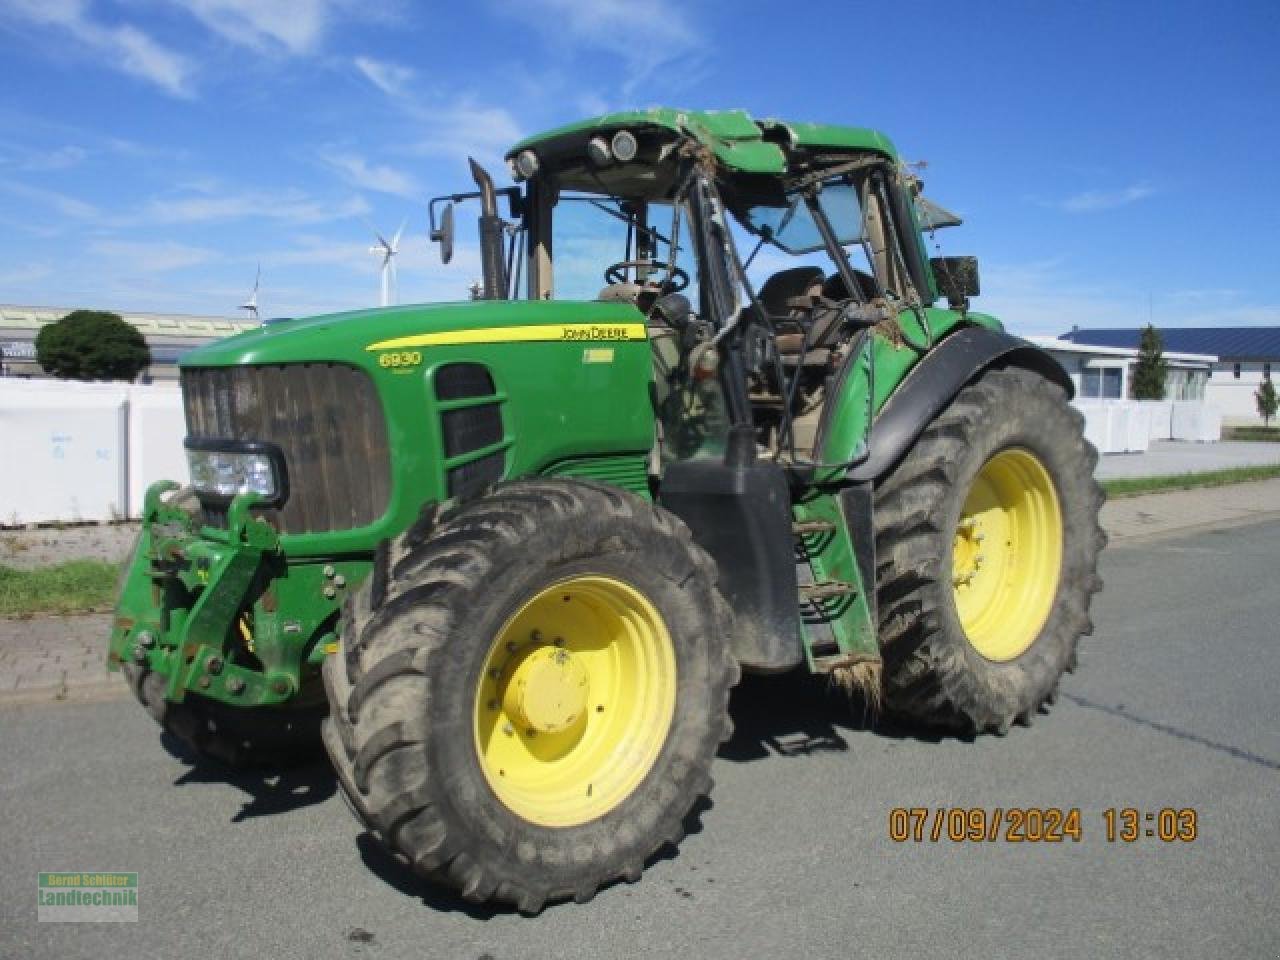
<point x="526" y="703"/>
<point x="987" y="542"/>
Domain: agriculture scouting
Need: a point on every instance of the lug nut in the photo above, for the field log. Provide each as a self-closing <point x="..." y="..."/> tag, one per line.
<point x="146" y="639"/>
<point x="330" y="592"/>
<point x="340" y="580"/>
<point x="329" y="571"/>
<point x="213" y="665"/>
<point x="139" y="654"/>
<point x="235" y="685"/>
<point x="508" y="729"/>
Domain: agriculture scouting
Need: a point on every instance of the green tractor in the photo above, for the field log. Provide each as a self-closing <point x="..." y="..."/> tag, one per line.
<point x="512" y="554"/>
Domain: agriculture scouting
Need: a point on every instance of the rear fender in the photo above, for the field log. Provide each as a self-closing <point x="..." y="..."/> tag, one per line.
<point x="934" y="382"/>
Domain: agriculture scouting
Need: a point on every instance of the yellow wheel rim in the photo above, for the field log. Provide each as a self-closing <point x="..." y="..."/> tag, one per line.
<point x="575" y="702"/>
<point x="1006" y="557"/>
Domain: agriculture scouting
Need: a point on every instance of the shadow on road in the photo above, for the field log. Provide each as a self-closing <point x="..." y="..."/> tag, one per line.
<point x="270" y="791"/>
<point x="400" y="877"/>
<point x="799" y="713"/>
<point x="788" y="715"/>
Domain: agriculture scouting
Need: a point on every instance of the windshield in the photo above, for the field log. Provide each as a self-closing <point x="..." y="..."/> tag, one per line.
<point x="792" y="227"/>
<point x="594" y="233"/>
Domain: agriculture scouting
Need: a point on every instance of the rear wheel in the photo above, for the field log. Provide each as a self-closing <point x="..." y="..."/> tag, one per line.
<point x="987" y="549"/>
<point x="527" y="701"/>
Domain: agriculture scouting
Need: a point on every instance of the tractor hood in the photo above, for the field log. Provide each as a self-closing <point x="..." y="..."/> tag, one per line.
<point x="357" y="336"/>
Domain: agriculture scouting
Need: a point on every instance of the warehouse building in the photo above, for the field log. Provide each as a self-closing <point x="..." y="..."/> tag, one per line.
<point x="1246" y="356"/>
<point x="169" y="335"/>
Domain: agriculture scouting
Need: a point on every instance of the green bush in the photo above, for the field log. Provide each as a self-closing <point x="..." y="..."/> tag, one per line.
<point x="92" y="345"/>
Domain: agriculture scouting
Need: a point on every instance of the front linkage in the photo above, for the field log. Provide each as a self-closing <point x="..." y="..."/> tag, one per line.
<point x="222" y="612"/>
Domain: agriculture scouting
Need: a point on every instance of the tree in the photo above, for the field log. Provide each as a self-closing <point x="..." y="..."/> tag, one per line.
<point x="92" y="345"/>
<point x="1267" y="401"/>
<point x="1151" y="369"/>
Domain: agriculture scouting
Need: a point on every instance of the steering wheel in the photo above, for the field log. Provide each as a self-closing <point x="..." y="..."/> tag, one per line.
<point x="617" y="273"/>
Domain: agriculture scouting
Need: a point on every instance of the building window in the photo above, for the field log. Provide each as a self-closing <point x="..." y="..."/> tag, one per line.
<point x="1101" y="383"/>
<point x="1235" y="370"/>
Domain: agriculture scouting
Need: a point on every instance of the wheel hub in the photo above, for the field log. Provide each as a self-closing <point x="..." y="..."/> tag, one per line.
<point x="548" y="691"/>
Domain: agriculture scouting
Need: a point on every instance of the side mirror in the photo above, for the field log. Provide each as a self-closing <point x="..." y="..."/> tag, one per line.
<point x="957" y="279"/>
<point x="443" y="234"/>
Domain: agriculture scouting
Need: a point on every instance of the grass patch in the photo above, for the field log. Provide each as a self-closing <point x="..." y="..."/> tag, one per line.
<point x="1252" y="434"/>
<point x="1118" y="487"/>
<point x="76" y="586"/>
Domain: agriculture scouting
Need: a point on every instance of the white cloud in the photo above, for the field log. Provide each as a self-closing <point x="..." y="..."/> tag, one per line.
<point x="362" y="173"/>
<point x="124" y="48"/>
<point x="152" y="257"/>
<point x="390" y="78"/>
<point x="1047" y="297"/>
<point x="208" y="205"/>
<point x="60" y="203"/>
<point x="39" y="160"/>
<point x="24" y="274"/>
<point x="643" y="34"/>
<point x="1091" y="201"/>
<point x="452" y="125"/>
<point x="294" y="25"/>
<point x="465" y="128"/>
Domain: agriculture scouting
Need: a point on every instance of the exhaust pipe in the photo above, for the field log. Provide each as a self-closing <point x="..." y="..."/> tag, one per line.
<point x="492" y="240"/>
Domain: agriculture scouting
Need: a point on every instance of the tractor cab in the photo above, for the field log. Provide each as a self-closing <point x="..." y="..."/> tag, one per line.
<point x="779" y="244"/>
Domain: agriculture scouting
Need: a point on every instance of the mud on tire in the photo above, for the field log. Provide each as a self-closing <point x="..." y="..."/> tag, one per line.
<point x="932" y="674"/>
<point x="413" y="647"/>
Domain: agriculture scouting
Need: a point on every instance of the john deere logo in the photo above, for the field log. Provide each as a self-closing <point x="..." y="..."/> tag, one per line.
<point x="585" y="332"/>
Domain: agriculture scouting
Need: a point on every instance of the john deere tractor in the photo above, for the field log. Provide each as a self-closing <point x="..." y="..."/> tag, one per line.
<point x="706" y="416"/>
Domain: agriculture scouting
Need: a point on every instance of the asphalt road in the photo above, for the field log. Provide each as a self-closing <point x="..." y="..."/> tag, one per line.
<point x="1174" y="705"/>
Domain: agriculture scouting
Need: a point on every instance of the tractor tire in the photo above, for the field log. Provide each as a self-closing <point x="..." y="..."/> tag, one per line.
<point x="987" y="543"/>
<point x="528" y="695"/>
<point x="240" y="737"/>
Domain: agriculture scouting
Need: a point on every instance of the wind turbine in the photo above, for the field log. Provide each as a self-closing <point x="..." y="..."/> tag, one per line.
<point x="251" y="305"/>
<point x="387" y="251"/>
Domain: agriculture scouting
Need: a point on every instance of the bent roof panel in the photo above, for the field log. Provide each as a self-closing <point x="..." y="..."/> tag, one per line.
<point x="737" y="140"/>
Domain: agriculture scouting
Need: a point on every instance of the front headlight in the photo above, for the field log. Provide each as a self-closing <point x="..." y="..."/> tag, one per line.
<point x="225" y="473"/>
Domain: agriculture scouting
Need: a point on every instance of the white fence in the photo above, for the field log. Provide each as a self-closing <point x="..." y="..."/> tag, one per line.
<point x="1129" y="426"/>
<point x="87" y="452"/>
<point x="77" y="452"/>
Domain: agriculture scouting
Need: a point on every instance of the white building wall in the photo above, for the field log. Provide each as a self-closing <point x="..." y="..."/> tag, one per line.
<point x="1234" y="397"/>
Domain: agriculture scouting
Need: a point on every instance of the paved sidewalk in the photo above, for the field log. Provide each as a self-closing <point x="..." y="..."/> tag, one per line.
<point x="1160" y="514"/>
<point x="56" y="658"/>
<point x="61" y="658"/>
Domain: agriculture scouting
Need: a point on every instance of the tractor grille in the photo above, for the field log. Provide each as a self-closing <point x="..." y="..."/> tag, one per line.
<point x="327" y="420"/>
<point x="468" y="430"/>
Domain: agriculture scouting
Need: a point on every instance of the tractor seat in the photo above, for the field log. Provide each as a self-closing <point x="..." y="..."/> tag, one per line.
<point x="794" y="301"/>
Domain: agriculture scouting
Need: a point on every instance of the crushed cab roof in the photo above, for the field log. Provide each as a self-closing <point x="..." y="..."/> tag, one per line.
<point x="739" y="141"/>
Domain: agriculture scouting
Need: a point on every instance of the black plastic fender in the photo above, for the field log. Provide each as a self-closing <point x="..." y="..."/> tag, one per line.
<point x="741" y="515"/>
<point x="935" y="381"/>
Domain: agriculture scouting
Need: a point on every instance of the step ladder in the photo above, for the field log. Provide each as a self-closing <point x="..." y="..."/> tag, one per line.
<point x="824" y="648"/>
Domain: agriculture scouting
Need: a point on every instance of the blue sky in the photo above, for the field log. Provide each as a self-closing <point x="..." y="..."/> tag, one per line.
<point x="153" y="152"/>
